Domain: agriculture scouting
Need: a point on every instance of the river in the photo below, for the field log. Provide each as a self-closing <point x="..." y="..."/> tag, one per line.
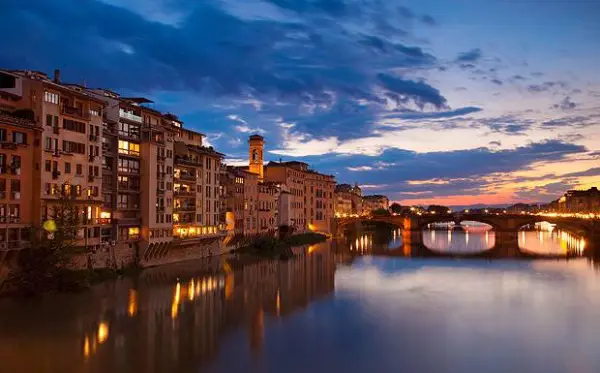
<point x="360" y="304"/>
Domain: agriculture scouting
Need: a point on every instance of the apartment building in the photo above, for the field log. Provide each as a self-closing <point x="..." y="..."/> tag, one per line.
<point x="311" y="205"/>
<point x="580" y="201"/>
<point x="67" y="157"/>
<point x="348" y="199"/>
<point x="197" y="187"/>
<point x="375" y="202"/>
<point x="242" y="193"/>
<point x="18" y="137"/>
<point x="268" y="207"/>
<point x="292" y="175"/>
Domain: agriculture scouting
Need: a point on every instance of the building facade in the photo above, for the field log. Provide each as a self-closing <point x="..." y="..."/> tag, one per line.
<point x="348" y="200"/>
<point x="580" y="201"/>
<point x="375" y="202"/>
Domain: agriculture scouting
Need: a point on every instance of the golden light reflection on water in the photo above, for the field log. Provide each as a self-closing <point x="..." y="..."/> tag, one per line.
<point x="551" y="241"/>
<point x="132" y="303"/>
<point x="102" y="332"/>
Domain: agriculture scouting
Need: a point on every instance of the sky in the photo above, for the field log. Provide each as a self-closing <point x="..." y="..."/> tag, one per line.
<point x="455" y="102"/>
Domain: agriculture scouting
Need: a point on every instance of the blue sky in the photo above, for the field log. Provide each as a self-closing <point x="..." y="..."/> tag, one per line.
<point x="454" y="102"/>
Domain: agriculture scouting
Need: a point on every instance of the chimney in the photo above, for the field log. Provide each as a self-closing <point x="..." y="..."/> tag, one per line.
<point x="56" y="76"/>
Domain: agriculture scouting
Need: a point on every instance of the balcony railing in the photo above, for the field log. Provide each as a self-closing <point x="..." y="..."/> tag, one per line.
<point x="183" y="192"/>
<point x="184" y="208"/>
<point x="130" y="116"/>
<point x="188" y="161"/>
<point x="74" y="112"/>
<point x="189" y="177"/>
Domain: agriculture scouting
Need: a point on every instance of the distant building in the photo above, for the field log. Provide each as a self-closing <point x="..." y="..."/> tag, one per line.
<point x="375" y="202"/>
<point x="580" y="201"/>
<point x="311" y="194"/>
<point x="348" y="199"/>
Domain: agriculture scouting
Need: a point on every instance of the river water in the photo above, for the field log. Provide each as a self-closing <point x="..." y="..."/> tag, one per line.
<point x="356" y="305"/>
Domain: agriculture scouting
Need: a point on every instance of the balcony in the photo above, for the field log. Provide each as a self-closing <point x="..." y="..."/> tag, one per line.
<point x="74" y="112"/>
<point x="185" y="192"/>
<point x="188" y="208"/>
<point x="93" y="138"/>
<point x="188" y="177"/>
<point x="130" y="116"/>
<point x="160" y="191"/>
<point x="160" y="208"/>
<point x="125" y="187"/>
<point x="92" y="158"/>
<point x="8" y="145"/>
<point x="187" y="161"/>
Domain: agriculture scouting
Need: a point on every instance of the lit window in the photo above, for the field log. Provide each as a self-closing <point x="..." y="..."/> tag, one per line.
<point x="129" y="148"/>
<point x="51" y="97"/>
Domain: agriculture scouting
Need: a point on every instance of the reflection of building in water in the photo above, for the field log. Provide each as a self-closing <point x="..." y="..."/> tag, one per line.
<point x="169" y="319"/>
<point x="546" y="239"/>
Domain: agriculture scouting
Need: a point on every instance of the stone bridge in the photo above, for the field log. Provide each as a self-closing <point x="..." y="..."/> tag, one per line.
<point x="506" y="225"/>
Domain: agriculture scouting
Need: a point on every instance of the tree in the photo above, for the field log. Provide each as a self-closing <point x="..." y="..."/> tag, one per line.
<point x="396" y="208"/>
<point x="43" y="267"/>
<point x="380" y="212"/>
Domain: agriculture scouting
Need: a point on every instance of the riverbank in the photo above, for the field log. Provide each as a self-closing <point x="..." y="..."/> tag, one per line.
<point x="271" y="247"/>
<point x="47" y="281"/>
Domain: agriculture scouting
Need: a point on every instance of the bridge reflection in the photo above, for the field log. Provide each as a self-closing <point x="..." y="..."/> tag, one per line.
<point x="475" y="241"/>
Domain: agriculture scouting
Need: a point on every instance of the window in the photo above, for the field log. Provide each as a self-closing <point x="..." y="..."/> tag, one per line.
<point x="67" y="168"/>
<point x="16" y="164"/>
<point x="2" y="134"/>
<point x="129" y="130"/>
<point x="73" y="147"/>
<point x="48" y="143"/>
<point x="49" y="120"/>
<point x="129" y="148"/>
<point x="73" y="125"/>
<point x="79" y="169"/>
<point x="15" y="189"/>
<point x="129" y="165"/>
<point x="51" y="97"/>
<point x="19" y="138"/>
<point x="123" y="201"/>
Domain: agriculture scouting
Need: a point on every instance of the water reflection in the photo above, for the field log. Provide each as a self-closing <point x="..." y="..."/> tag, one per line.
<point x="425" y="315"/>
<point x="467" y="238"/>
<point x="546" y="239"/>
<point x="371" y="241"/>
<point x="169" y="319"/>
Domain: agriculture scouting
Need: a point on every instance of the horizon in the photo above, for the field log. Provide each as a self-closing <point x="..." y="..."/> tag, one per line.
<point x="427" y="103"/>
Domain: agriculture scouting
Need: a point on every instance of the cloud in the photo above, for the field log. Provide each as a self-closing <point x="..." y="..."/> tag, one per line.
<point x="565" y="104"/>
<point x="495" y="143"/>
<point x="417" y="115"/>
<point x="496" y="81"/>
<point x="546" y="86"/>
<point x="428" y="20"/>
<point x="473" y="55"/>
<point x="360" y="168"/>
<point x="209" y="48"/>
<point x="595" y="171"/>
<point x="401" y="91"/>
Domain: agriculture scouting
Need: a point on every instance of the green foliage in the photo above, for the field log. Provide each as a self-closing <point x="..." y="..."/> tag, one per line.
<point x="271" y="247"/>
<point x="396" y="208"/>
<point x="43" y="267"/>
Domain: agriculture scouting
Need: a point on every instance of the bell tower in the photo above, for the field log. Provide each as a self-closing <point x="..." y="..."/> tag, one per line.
<point x="257" y="145"/>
